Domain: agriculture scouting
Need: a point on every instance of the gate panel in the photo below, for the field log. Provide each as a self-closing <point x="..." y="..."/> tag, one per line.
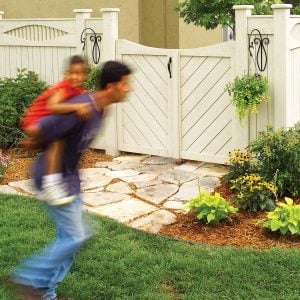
<point x="143" y="120"/>
<point x="206" y="112"/>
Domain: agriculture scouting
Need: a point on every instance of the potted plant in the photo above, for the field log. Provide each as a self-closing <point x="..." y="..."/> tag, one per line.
<point x="247" y="92"/>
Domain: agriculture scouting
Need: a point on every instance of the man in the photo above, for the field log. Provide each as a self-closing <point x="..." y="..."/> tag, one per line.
<point x="38" y="276"/>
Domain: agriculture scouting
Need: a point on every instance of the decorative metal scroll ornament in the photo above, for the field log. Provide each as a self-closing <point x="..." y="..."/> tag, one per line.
<point x="258" y="44"/>
<point x="95" y="40"/>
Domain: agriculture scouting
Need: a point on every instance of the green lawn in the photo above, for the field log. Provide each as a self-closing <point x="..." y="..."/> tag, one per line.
<point x="121" y="263"/>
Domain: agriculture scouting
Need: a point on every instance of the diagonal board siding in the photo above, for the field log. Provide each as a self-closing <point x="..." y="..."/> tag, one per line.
<point x="206" y="112"/>
<point x="144" y="116"/>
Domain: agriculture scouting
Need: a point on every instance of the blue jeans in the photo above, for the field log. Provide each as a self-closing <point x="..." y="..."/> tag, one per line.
<point x="46" y="269"/>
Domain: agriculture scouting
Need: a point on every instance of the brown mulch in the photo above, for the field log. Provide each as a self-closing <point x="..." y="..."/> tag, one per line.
<point x="240" y="232"/>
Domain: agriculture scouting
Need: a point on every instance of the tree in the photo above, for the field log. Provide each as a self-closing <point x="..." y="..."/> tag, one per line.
<point x="210" y="14"/>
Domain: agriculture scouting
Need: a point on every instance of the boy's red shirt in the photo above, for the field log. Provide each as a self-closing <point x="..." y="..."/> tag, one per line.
<point x="38" y="108"/>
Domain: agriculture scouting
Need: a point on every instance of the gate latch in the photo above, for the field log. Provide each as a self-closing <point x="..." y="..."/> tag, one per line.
<point x="169" y="66"/>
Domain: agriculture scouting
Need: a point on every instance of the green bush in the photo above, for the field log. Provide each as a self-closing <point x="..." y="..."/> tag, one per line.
<point x="211" y="208"/>
<point x="15" y="95"/>
<point x="93" y="73"/>
<point x="253" y="193"/>
<point x="285" y="218"/>
<point x="278" y="155"/>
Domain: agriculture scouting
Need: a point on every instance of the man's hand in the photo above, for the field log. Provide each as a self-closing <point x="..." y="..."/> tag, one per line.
<point x="83" y="110"/>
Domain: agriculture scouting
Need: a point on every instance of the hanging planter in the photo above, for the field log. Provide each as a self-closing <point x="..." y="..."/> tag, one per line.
<point x="247" y="92"/>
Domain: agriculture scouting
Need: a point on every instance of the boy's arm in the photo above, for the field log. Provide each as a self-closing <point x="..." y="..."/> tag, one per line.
<point x="57" y="105"/>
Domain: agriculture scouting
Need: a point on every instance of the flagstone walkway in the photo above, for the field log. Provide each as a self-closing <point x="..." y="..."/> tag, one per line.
<point x="143" y="192"/>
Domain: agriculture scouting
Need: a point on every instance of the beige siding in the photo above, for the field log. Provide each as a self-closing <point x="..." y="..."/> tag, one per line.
<point x="191" y="36"/>
<point x="128" y="20"/>
<point x="152" y="23"/>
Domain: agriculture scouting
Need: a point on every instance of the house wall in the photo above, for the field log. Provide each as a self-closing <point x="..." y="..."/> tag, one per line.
<point x="152" y="23"/>
<point x="129" y="22"/>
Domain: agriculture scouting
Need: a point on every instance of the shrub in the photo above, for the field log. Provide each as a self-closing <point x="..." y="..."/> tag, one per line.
<point x="15" y="95"/>
<point x="278" y="154"/>
<point x="254" y="194"/>
<point x="247" y="92"/>
<point x="240" y="163"/>
<point x="93" y="73"/>
<point x="4" y="163"/>
<point x="211" y="208"/>
<point x="285" y="218"/>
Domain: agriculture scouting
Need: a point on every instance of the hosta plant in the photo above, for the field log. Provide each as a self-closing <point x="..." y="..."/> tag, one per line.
<point x="253" y="193"/>
<point x="285" y="218"/>
<point x="211" y="208"/>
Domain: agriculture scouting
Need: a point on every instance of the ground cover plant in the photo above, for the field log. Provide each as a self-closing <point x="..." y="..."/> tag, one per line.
<point x="122" y="263"/>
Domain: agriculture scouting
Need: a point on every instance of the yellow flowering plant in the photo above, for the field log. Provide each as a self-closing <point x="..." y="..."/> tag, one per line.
<point x="240" y="163"/>
<point x="253" y="193"/>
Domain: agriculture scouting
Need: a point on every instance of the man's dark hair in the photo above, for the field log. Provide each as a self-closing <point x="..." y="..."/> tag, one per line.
<point x="112" y="71"/>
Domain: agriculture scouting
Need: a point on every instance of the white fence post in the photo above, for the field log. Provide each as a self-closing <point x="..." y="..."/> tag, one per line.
<point x="110" y="36"/>
<point x="1" y="15"/>
<point x="241" y="133"/>
<point x="80" y="16"/>
<point x="283" y="108"/>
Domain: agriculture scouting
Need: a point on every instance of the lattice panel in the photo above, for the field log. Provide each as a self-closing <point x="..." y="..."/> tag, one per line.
<point x="145" y="114"/>
<point x="205" y="106"/>
<point x="37" y="33"/>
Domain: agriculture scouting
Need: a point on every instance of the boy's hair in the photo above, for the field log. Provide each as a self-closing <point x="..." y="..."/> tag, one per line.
<point x="73" y="60"/>
<point x="77" y="59"/>
<point x="112" y="71"/>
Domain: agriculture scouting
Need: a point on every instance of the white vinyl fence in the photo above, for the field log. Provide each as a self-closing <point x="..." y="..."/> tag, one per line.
<point x="178" y="106"/>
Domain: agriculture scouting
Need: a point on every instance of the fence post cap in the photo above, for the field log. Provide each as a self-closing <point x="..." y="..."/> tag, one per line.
<point x="1" y="12"/>
<point x="243" y="7"/>
<point x="82" y="10"/>
<point x="281" y="6"/>
<point x="110" y="10"/>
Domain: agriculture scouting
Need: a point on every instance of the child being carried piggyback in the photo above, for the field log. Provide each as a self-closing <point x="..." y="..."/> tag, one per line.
<point x="54" y="101"/>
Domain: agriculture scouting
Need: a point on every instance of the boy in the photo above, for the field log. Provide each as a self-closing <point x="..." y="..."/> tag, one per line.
<point x="52" y="101"/>
<point x="39" y="275"/>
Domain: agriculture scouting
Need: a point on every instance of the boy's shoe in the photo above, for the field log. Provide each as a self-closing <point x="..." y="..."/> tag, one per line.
<point x="56" y="195"/>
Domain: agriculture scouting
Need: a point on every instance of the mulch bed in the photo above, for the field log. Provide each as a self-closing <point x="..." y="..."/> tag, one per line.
<point x="240" y="232"/>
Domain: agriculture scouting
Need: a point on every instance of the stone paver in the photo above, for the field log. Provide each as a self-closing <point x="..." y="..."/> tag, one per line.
<point x="123" y="173"/>
<point x="162" y="186"/>
<point x="176" y="205"/>
<point x="26" y="186"/>
<point x="177" y="176"/>
<point x="92" y="173"/>
<point x="159" y="160"/>
<point x="103" y="198"/>
<point x="119" y="187"/>
<point x="157" y="193"/>
<point x="156" y="169"/>
<point x="142" y="178"/>
<point x="211" y="170"/>
<point x="131" y="158"/>
<point x="5" y="189"/>
<point x="125" y="211"/>
<point x="154" y="221"/>
<point x="126" y="165"/>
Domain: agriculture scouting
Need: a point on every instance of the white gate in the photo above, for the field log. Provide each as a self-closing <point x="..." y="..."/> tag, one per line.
<point x="178" y="106"/>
